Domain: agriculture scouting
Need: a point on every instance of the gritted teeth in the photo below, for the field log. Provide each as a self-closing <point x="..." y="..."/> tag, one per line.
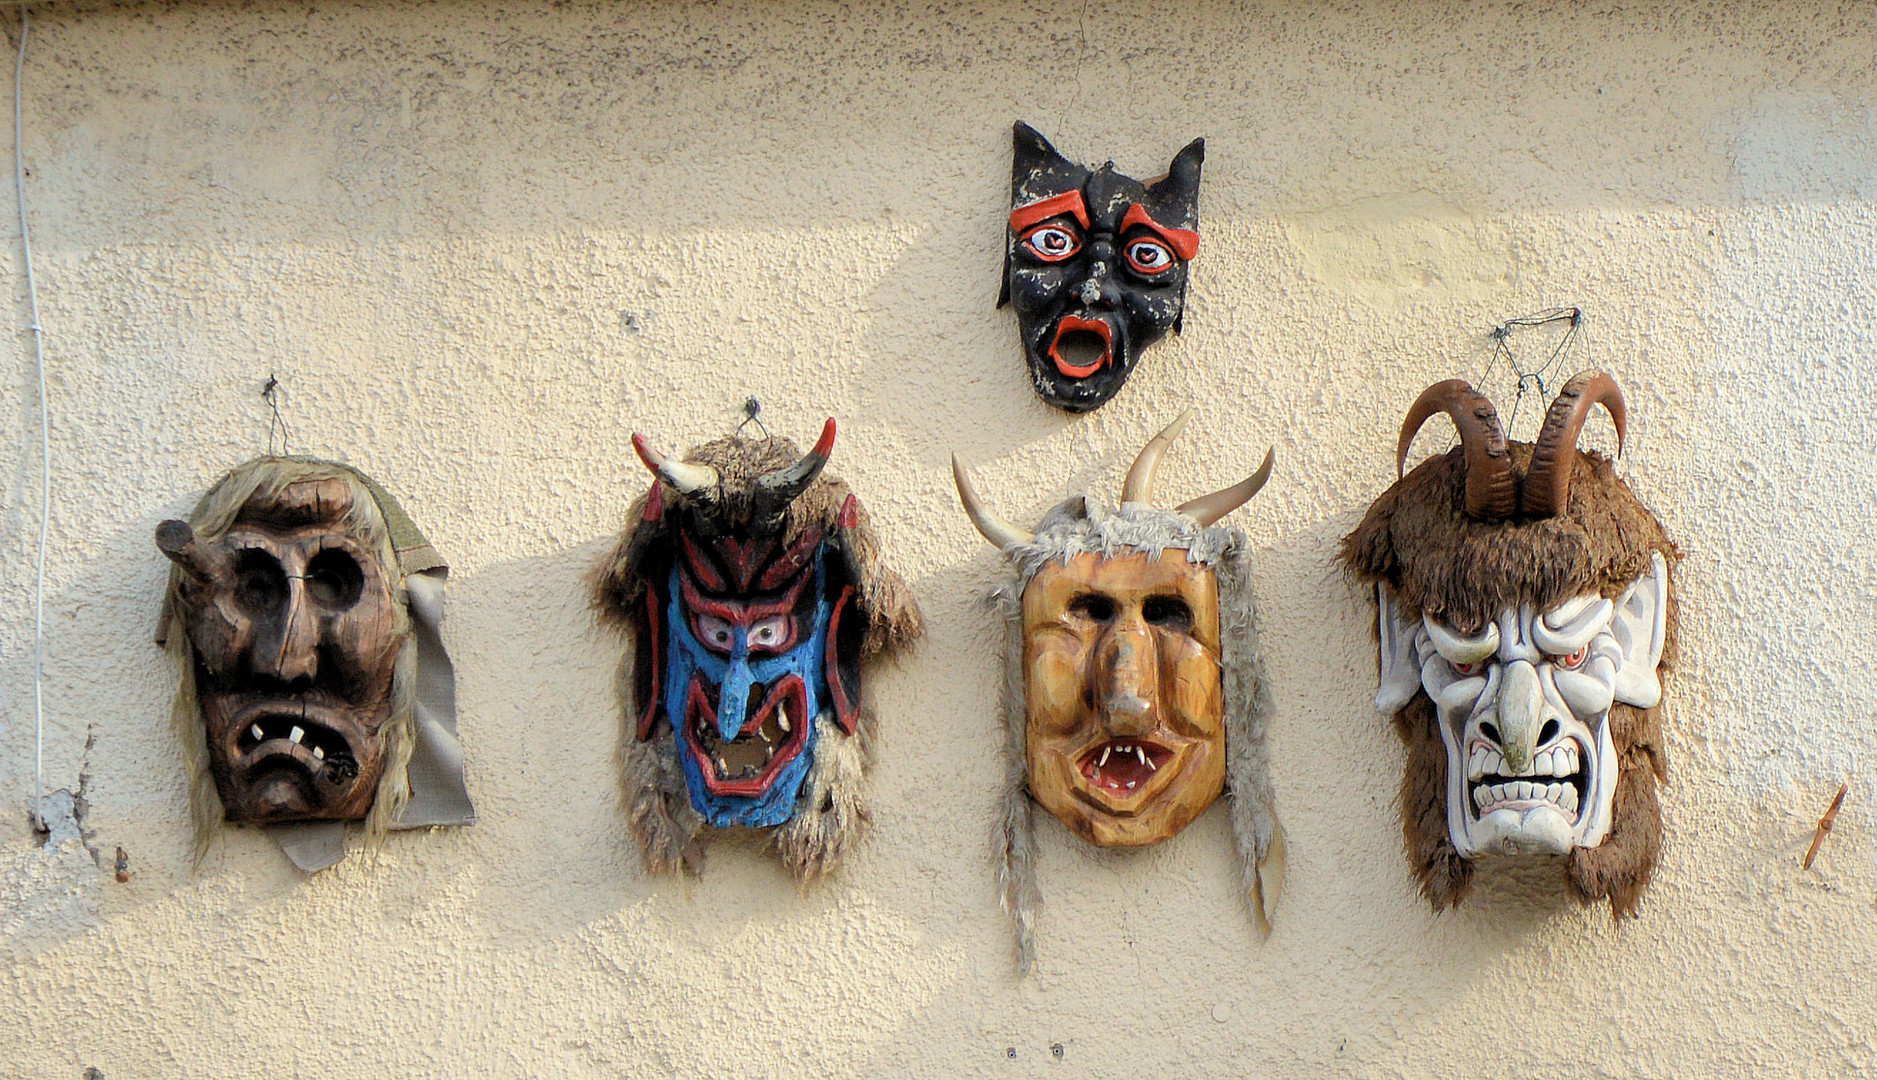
<point x="1123" y="765"/>
<point x="1557" y="776"/>
<point x="289" y="734"/>
<point x="754" y="749"/>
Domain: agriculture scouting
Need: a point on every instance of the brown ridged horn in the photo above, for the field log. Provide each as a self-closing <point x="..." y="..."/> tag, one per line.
<point x="1548" y="480"/>
<point x="1139" y="485"/>
<point x="1210" y="508"/>
<point x="1492" y="489"/>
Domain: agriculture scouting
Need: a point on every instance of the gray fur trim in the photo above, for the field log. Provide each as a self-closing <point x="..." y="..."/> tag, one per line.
<point x="831" y="812"/>
<point x="1071" y="529"/>
<point x="658" y="808"/>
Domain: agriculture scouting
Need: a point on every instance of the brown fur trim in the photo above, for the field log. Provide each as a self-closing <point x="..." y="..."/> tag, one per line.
<point x="1620" y="868"/>
<point x="1444" y="877"/>
<point x="1418" y="540"/>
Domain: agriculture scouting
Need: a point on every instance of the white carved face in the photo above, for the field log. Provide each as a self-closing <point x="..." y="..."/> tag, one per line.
<point x="1524" y="711"/>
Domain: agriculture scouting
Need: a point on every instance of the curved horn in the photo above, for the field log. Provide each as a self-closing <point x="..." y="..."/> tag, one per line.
<point x="777" y="489"/>
<point x="1210" y="508"/>
<point x="1492" y="489"/>
<point x="1139" y="485"/>
<point x="1548" y="480"/>
<point x="995" y="529"/>
<point x="689" y="479"/>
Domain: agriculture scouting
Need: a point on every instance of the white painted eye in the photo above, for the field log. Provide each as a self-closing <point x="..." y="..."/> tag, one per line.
<point x="1570" y="661"/>
<point x="1051" y="243"/>
<point x="715" y="632"/>
<point x="1149" y="256"/>
<point x="769" y="632"/>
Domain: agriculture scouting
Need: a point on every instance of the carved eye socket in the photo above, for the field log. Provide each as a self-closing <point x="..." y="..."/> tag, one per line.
<point x="1467" y="670"/>
<point x="1052" y="243"/>
<point x="260" y="582"/>
<point x="1168" y="612"/>
<point x="769" y="633"/>
<point x="334" y="579"/>
<point x="1149" y="256"/>
<point x="715" y="633"/>
<point x="1094" y="607"/>
<point x="1572" y="661"/>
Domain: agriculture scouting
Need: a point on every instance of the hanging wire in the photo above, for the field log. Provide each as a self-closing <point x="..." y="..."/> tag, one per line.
<point x="1501" y="337"/>
<point x="45" y="431"/>
<point x="271" y="394"/>
<point x="753" y="414"/>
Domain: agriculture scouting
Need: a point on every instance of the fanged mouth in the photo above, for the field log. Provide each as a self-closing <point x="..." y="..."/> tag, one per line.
<point x="268" y="737"/>
<point x="1081" y="346"/>
<point x="1556" y="777"/>
<point x="774" y="732"/>
<point x="1123" y="768"/>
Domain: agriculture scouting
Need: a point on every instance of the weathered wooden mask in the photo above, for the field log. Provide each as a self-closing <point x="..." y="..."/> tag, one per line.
<point x="1525" y="620"/>
<point x="1135" y="693"/>
<point x="751" y="586"/>
<point x="1095" y="265"/>
<point x="308" y="606"/>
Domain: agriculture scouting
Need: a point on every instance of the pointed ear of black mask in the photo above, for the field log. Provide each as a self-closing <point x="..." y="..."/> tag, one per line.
<point x="1174" y="198"/>
<point x="1037" y="171"/>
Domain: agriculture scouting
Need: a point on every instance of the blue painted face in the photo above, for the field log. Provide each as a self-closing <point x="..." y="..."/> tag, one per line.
<point x="743" y="683"/>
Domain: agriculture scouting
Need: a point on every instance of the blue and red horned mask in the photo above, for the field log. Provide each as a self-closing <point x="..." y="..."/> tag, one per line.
<point x="749" y="584"/>
<point x="1095" y="264"/>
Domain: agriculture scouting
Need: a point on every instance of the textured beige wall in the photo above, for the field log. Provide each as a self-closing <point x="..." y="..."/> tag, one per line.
<point x="484" y="243"/>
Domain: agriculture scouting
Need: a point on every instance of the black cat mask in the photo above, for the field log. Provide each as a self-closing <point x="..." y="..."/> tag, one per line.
<point x="1095" y="264"/>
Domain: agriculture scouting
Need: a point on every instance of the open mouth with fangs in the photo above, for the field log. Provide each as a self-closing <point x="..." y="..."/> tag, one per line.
<point x="775" y="729"/>
<point x="1081" y="346"/>
<point x="273" y="736"/>
<point x="1123" y="770"/>
<point x="1556" y="776"/>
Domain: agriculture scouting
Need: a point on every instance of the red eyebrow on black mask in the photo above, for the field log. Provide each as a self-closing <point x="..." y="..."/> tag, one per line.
<point x="1184" y="242"/>
<point x="1069" y="202"/>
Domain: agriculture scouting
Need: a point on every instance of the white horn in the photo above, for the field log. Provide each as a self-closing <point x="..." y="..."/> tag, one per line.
<point x="1139" y="486"/>
<point x="995" y="529"/>
<point x="689" y="479"/>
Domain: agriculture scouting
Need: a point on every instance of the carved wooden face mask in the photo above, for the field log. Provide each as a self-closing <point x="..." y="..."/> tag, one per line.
<point x="1524" y="620"/>
<point x="291" y="595"/>
<point x="1133" y="707"/>
<point x="751" y="591"/>
<point x="1095" y="265"/>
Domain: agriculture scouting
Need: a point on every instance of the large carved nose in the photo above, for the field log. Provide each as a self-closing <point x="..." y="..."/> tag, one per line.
<point x="1130" y="690"/>
<point x="291" y="653"/>
<point x="1520" y="710"/>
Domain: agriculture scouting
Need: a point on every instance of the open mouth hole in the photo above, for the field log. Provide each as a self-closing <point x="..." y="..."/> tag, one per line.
<point x="1558" y="776"/>
<point x="751" y="752"/>
<point x="329" y="750"/>
<point x="1082" y="350"/>
<point x="1123" y="765"/>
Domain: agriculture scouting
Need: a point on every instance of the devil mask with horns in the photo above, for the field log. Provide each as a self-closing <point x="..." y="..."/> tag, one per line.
<point x="751" y="586"/>
<point x="1095" y="265"/>
<point x="303" y="613"/>
<point x="1134" y="694"/>
<point x="1525" y="621"/>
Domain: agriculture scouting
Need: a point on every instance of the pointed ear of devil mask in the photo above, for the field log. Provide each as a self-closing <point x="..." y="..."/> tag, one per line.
<point x="1525" y="618"/>
<point x="1134" y="693"/>
<point x="303" y="611"/>
<point x="751" y="586"/>
<point x="1095" y="264"/>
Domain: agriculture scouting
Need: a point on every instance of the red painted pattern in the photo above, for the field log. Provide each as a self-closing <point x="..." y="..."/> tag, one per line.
<point x="1069" y="202"/>
<point x="1184" y="242"/>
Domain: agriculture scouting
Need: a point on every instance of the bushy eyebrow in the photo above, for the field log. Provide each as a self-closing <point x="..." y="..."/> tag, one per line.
<point x="1184" y="242"/>
<point x="1069" y="202"/>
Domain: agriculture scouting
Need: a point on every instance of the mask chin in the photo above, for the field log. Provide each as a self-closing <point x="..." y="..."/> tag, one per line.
<point x="1080" y="360"/>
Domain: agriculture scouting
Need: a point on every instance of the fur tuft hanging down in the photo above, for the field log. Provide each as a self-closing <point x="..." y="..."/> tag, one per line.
<point x="1074" y="528"/>
<point x="728" y="488"/>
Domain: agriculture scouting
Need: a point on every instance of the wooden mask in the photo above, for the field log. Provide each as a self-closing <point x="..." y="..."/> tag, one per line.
<point x="301" y="590"/>
<point x="1525" y="619"/>
<point x="750" y="584"/>
<point x="1137" y="697"/>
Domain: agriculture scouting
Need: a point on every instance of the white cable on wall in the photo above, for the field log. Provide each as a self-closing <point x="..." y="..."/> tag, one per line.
<point x="45" y="430"/>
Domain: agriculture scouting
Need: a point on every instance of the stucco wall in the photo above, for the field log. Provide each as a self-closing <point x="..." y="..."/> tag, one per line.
<point x="482" y="244"/>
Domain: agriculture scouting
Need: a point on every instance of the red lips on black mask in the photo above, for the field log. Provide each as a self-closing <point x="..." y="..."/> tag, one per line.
<point x="1095" y="265"/>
